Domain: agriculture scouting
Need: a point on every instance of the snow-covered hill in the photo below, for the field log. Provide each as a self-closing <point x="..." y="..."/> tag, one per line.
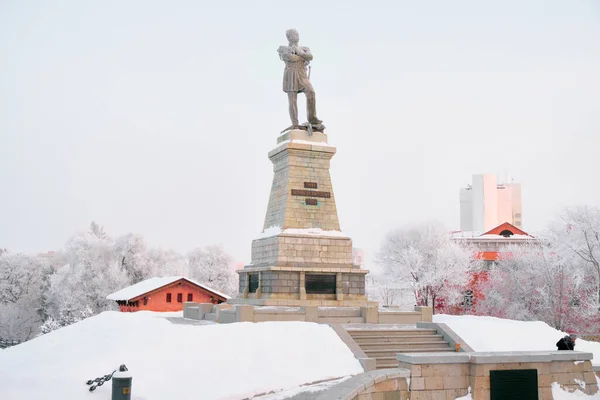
<point x="173" y="361"/>
<point x="496" y="334"/>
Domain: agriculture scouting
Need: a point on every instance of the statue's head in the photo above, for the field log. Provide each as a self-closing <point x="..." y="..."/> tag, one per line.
<point x="292" y="35"/>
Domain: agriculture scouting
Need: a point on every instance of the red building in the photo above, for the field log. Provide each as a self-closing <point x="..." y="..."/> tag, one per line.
<point x="164" y="294"/>
<point x="489" y="247"/>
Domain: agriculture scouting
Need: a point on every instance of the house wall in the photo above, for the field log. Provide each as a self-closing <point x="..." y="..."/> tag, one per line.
<point x="157" y="300"/>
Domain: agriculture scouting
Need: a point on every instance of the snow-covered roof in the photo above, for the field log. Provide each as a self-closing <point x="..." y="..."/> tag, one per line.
<point x="511" y="237"/>
<point x="465" y="234"/>
<point x="151" y="284"/>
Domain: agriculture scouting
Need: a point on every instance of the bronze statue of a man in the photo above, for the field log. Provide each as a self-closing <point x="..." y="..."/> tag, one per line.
<point x="296" y="80"/>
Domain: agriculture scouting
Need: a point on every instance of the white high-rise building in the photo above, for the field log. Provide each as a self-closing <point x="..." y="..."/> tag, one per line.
<point x="486" y="204"/>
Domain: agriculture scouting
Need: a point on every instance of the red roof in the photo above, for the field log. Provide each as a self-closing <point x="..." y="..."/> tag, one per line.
<point x="506" y="227"/>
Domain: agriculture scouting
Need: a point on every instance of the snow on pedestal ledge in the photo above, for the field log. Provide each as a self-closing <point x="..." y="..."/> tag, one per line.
<point x="276" y="230"/>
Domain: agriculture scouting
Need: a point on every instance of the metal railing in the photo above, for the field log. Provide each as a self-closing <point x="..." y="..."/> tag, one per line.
<point x="8" y="343"/>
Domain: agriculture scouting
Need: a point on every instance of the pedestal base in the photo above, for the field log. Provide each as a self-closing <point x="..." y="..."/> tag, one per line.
<point x="285" y="285"/>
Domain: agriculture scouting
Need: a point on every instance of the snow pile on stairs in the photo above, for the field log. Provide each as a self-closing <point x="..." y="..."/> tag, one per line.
<point x="496" y="334"/>
<point x="173" y="361"/>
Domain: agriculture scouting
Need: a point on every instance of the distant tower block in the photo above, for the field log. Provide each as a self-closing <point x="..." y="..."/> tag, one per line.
<point x="486" y="204"/>
<point x="303" y="257"/>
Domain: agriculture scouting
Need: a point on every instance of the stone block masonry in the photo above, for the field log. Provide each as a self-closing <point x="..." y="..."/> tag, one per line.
<point x="307" y="260"/>
<point x="302" y="251"/>
<point x="294" y="165"/>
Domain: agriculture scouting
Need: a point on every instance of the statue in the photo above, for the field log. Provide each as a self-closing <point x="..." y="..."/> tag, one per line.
<point x="296" y="80"/>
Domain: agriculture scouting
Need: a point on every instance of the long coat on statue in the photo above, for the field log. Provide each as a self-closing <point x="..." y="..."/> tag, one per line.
<point x="295" y="78"/>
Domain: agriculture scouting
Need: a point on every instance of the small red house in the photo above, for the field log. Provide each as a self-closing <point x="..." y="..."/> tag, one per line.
<point x="164" y="294"/>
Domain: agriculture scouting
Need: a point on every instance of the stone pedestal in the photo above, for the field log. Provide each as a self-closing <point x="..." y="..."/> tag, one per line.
<point x="302" y="257"/>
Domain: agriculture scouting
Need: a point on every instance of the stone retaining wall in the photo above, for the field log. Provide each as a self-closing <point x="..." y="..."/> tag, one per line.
<point x="251" y="313"/>
<point x="382" y="384"/>
<point x="444" y="376"/>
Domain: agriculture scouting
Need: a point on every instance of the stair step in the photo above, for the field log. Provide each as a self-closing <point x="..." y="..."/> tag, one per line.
<point x="393" y="352"/>
<point x="399" y="339"/>
<point x="418" y="345"/>
<point x="341" y="320"/>
<point x="433" y="350"/>
<point x="383" y="366"/>
<point x="394" y="332"/>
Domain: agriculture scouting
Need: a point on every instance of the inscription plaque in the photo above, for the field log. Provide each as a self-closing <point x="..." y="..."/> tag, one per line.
<point x="311" y="193"/>
<point x="319" y="284"/>
<point x="515" y="384"/>
<point x="310" y="185"/>
<point x="311" y="202"/>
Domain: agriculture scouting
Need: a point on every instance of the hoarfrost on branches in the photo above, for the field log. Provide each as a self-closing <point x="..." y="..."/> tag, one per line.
<point x="212" y="266"/>
<point x="556" y="281"/>
<point x="21" y="281"/>
<point x="424" y="255"/>
<point x="39" y="294"/>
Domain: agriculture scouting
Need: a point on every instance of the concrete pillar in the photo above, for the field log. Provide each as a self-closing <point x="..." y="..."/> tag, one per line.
<point x="302" y="288"/>
<point x="203" y="309"/>
<point x="259" y="288"/>
<point x="311" y="313"/>
<point x="370" y="314"/>
<point x="190" y="310"/>
<point x="244" y="313"/>
<point x="247" y="286"/>
<point x="218" y="308"/>
<point x="339" y="291"/>
<point x="426" y="313"/>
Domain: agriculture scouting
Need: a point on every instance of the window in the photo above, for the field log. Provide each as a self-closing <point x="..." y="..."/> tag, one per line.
<point x="190" y="297"/>
<point x="146" y="301"/>
<point x="180" y="297"/>
<point x="168" y="297"/>
<point x="253" y="283"/>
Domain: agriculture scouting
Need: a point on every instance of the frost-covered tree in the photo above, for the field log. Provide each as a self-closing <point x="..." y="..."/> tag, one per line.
<point x="166" y="263"/>
<point x="535" y="282"/>
<point x="389" y="292"/>
<point x="577" y="230"/>
<point x="131" y="253"/>
<point x="212" y="266"/>
<point x="21" y="284"/>
<point x="424" y="255"/>
<point x="79" y="288"/>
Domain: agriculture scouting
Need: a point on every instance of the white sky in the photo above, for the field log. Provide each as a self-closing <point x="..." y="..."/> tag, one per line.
<point x="156" y="117"/>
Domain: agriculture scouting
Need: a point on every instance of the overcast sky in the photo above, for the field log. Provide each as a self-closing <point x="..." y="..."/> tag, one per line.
<point x="156" y="117"/>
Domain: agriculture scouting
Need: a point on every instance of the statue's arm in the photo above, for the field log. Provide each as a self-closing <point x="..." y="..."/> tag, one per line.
<point x="286" y="55"/>
<point x="305" y="53"/>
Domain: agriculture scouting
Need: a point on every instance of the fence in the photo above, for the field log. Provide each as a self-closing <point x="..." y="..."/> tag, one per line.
<point x="7" y="343"/>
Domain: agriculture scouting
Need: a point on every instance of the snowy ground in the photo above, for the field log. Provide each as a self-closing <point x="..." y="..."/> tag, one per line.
<point x="496" y="334"/>
<point x="174" y="360"/>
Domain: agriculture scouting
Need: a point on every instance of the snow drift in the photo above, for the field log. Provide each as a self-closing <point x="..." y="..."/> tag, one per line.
<point x="173" y="361"/>
<point x="497" y="334"/>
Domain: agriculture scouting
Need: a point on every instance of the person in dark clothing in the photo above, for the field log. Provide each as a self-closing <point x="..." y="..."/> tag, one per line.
<point x="567" y="343"/>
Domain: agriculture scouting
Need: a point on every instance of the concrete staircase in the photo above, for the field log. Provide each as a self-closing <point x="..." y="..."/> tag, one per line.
<point x="383" y="344"/>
